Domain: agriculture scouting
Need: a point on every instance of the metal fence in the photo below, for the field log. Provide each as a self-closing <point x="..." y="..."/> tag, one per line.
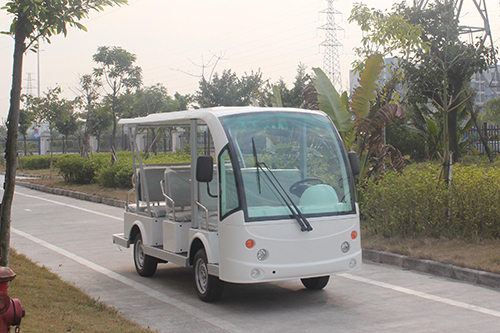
<point x="74" y="144"/>
<point x="492" y="135"/>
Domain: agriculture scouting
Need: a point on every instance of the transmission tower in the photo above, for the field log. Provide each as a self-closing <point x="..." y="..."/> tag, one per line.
<point x="29" y="80"/>
<point x="331" y="61"/>
<point x="483" y="32"/>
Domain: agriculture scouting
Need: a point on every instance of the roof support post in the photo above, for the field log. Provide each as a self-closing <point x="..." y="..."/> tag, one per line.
<point x="194" y="184"/>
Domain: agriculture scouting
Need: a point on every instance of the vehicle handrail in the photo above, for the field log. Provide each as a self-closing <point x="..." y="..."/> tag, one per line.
<point x="127" y="207"/>
<point x="206" y="213"/>
<point x="167" y="198"/>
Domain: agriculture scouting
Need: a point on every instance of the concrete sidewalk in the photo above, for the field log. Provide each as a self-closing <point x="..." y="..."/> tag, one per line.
<point x="405" y="262"/>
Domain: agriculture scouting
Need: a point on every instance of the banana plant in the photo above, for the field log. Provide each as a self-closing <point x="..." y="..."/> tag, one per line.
<point x="362" y="121"/>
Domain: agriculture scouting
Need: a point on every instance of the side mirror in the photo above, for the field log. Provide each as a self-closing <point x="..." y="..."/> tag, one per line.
<point x="354" y="161"/>
<point x="204" y="169"/>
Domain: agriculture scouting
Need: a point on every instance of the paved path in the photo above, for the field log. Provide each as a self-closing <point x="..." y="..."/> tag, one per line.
<point x="73" y="239"/>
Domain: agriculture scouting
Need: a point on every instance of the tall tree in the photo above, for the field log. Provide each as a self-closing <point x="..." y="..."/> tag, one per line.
<point x="68" y="124"/>
<point x="101" y="120"/>
<point x="442" y="75"/>
<point x="52" y="110"/>
<point x="33" y="20"/>
<point x="228" y="89"/>
<point x="437" y="66"/>
<point x="117" y="68"/>
<point x="26" y="119"/>
<point x="89" y="96"/>
<point x="183" y="101"/>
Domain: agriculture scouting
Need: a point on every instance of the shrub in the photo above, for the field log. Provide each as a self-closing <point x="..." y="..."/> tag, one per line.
<point x="416" y="203"/>
<point x="123" y="177"/>
<point x="119" y="174"/>
<point x="38" y="162"/>
<point x="78" y="170"/>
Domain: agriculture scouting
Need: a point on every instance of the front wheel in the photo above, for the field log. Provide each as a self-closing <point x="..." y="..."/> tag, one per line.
<point x="208" y="287"/>
<point x="315" y="283"/>
<point x="144" y="265"/>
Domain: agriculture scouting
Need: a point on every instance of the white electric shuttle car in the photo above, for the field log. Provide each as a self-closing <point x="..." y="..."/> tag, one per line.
<point x="268" y="195"/>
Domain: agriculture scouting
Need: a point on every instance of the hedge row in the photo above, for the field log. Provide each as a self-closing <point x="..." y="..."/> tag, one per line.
<point x="97" y="168"/>
<point x="417" y="204"/>
<point x="37" y="162"/>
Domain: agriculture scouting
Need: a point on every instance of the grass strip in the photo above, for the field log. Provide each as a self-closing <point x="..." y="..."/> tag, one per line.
<point x="53" y="305"/>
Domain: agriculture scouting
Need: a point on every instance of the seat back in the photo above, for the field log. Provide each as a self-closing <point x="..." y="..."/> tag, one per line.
<point x="178" y="186"/>
<point x="152" y="177"/>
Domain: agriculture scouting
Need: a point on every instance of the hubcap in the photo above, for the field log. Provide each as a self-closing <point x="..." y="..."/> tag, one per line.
<point x="139" y="253"/>
<point x="201" y="276"/>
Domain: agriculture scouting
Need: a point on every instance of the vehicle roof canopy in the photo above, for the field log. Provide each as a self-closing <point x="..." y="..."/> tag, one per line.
<point x="178" y="118"/>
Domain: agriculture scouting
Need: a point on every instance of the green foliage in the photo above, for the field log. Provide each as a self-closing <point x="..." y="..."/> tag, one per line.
<point x="362" y="121"/>
<point x="117" y="175"/>
<point x="492" y="111"/>
<point x="331" y="103"/>
<point x="228" y="89"/>
<point x="388" y="34"/>
<point x="116" y="66"/>
<point x="26" y="119"/>
<point x="44" y="19"/>
<point x="37" y="162"/>
<point x="78" y="170"/>
<point x="409" y="142"/>
<point x="416" y="204"/>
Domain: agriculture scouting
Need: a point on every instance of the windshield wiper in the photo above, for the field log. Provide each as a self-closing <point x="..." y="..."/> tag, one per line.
<point x="256" y="164"/>
<point x="296" y="213"/>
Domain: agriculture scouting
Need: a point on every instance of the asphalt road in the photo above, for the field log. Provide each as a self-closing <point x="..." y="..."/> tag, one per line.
<point x="73" y="239"/>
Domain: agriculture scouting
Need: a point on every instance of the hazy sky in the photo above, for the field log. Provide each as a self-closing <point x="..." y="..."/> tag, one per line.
<point x="174" y="39"/>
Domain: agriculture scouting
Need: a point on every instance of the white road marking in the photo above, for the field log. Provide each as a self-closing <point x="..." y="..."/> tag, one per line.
<point x="209" y="318"/>
<point x="423" y="295"/>
<point x="71" y="206"/>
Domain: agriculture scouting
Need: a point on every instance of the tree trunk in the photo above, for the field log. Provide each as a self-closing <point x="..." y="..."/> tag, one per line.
<point x="98" y="142"/>
<point x="11" y="144"/>
<point x="453" y="134"/>
<point x="25" y="149"/>
<point x="86" y="141"/>
<point x="51" y="152"/>
<point x="480" y="132"/>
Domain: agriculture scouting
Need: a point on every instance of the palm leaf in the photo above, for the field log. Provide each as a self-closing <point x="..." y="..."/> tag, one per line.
<point x="276" y="97"/>
<point x="367" y="90"/>
<point x="432" y="128"/>
<point x="331" y="103"/>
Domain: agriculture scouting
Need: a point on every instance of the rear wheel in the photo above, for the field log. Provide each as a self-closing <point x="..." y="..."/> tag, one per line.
<point x="145" y="265"/>
<point x="208" y="287"/>
<point x="315" y="283"/>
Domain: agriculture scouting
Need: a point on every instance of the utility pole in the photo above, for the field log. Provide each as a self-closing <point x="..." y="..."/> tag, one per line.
<point x="331" y="44"/>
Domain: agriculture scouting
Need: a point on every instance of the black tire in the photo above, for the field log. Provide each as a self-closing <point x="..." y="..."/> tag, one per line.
<point x="208" y="287"/>
<point x="316" y="283"/>
<point x="144" y="265"/>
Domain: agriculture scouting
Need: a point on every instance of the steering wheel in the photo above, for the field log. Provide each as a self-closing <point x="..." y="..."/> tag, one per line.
<point x="299" y="187"/>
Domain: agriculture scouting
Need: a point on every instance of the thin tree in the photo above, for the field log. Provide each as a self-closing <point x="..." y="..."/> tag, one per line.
<point x="33" y="20"/>
<point x="89" y="95"/>
<point x="26" y="119"/>
<point x="116" y="67"/>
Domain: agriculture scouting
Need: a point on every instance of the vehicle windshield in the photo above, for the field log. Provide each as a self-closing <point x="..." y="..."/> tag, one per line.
<point x="304" y="154"/>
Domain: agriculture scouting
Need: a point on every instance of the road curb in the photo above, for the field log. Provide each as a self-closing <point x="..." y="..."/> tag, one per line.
<point x="434" y="268"/>
<point x="72" y="194"/>
<point x="405" y="262"/>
